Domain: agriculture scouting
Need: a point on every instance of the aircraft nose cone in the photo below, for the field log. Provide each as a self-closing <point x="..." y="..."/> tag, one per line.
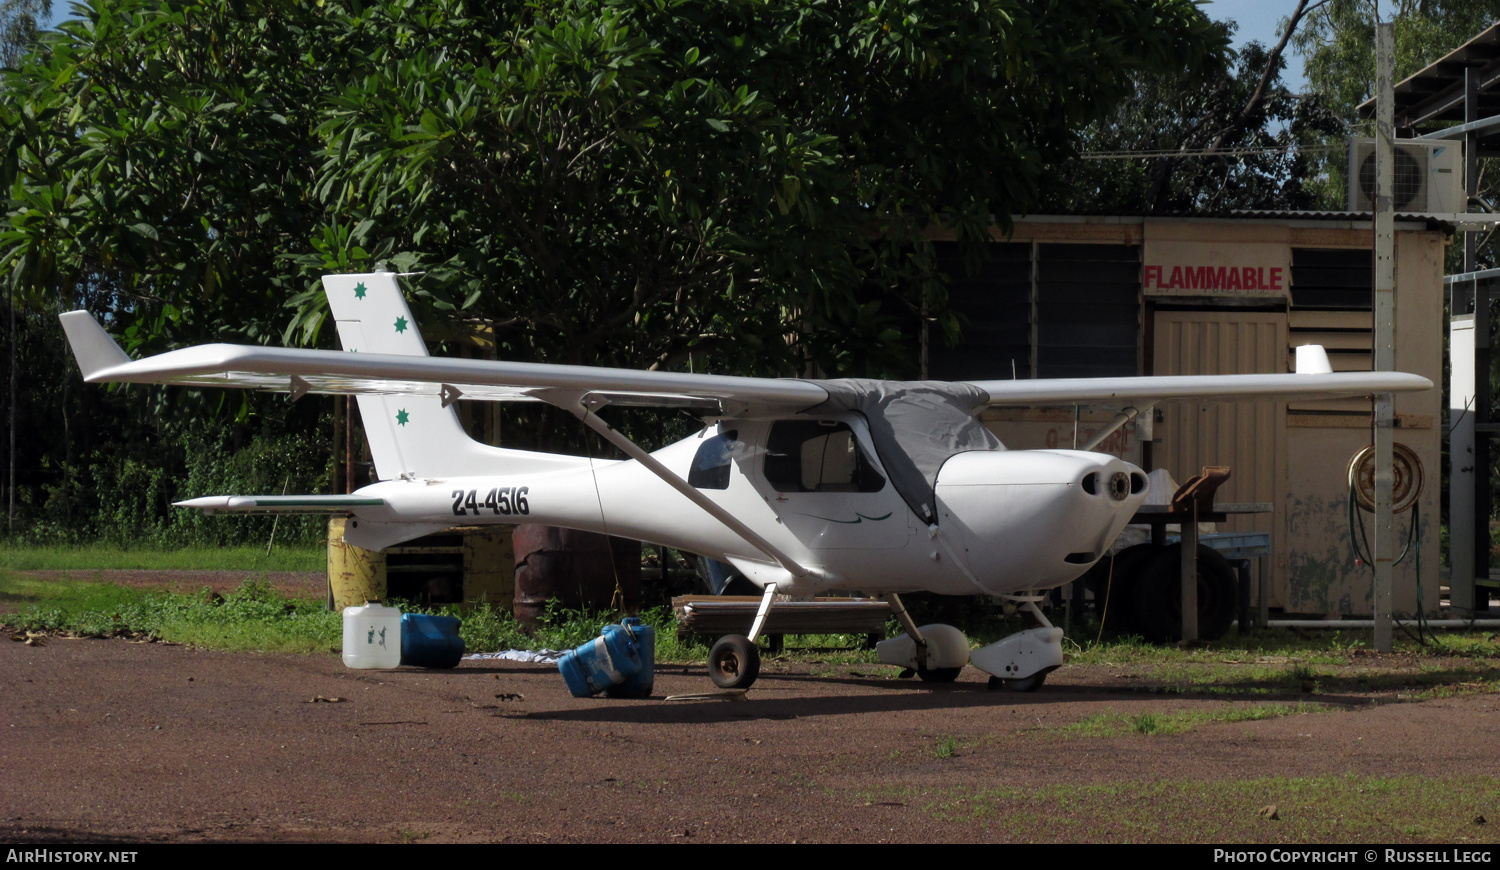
<point x="1114" y="481"/>
<point x="1033" y="519"/>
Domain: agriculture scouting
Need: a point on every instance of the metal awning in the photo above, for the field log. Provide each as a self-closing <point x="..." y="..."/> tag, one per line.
<point x="1435" y="94"/>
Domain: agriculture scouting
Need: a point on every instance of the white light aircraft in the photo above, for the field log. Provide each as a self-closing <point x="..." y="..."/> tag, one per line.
<point x="805" y="486"/>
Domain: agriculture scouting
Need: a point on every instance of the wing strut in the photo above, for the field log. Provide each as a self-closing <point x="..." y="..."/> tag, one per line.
<point x="1114" y="425"/>
<point x="583" y="410"/>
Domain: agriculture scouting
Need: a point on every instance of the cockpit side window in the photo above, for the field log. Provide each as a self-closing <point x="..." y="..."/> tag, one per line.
<point x="818" y="456"/>
<point x="710" y="469"/>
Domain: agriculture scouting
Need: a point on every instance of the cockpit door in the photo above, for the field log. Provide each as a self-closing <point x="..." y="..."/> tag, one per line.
<point x="822" y="479"/>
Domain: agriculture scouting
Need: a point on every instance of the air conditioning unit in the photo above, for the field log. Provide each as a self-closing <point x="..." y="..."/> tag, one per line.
<point x="1429" y="176"/>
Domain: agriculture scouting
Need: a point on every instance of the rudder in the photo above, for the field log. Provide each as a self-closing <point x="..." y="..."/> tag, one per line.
<point x="411" y="436"/>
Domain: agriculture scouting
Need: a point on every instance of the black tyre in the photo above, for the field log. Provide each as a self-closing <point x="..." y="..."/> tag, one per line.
<point x="1114" y="585"/>
<point x="1156" y="600"/>
<point x="734" y="662"/>
<point x="939" y="675"/>
<point x="1025" y="684"/>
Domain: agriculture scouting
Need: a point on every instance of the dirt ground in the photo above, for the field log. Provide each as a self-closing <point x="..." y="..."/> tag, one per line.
<point x="109" y="741"/>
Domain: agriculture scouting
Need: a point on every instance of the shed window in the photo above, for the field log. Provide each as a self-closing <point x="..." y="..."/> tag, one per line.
<point x="1042" y="310"/>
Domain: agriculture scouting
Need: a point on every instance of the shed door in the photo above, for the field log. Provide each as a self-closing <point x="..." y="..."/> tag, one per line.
<point x="1249" y="437"/>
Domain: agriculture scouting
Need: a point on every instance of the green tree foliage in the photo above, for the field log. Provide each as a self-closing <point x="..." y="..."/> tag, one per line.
<point x="660" y="183"/>
<point x="1222" y="136"/>
<point x="617" y="181"/>
<point x="18" y="26"/>
<point x="1338" y="42"/>
<point x="1253" y="158"/>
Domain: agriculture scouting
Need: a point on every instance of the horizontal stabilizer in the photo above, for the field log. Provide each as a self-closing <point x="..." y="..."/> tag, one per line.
<point x="280" y="504"/>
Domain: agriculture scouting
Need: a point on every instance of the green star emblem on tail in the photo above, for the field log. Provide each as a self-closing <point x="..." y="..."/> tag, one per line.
<point x="401" y="324"/>
<point x="402" y="416"/>
<point x="359" y="290"/>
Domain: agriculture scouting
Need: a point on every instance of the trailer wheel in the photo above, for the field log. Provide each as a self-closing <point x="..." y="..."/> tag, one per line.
<point x="1116" y="584"/>
<point x="1156" y="602"/>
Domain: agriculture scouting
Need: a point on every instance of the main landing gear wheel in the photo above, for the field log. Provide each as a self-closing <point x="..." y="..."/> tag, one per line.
<point x="939" y="675"/>
<point x="1025" y="684"/>
<point x="734" y="662"/>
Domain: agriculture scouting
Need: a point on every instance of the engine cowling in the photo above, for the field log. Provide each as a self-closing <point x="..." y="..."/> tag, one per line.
<point x="1035" y="519"/>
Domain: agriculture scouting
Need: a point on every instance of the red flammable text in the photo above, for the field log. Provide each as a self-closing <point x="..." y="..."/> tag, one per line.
<point x="1214" y="278"/>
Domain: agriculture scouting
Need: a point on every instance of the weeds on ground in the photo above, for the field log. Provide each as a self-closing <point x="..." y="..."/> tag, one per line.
<point x="1117" y="724"/>
<point x="1347" y="809"/>
<point x="253" y="617"/>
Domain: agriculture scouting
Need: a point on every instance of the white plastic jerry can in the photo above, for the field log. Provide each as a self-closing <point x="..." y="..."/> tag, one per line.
<point x="372" y="636"/>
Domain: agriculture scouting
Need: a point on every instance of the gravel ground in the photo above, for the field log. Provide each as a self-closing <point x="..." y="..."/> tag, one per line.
<point x="111" y="741"/>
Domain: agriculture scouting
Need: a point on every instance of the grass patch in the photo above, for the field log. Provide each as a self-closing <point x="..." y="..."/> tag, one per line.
<point x="253" y="617"/>
<point x="1117" y="724"/>
<point x="1337" y="809"/>
<point x="102" y="557"/>
<point x="257" y="617"/>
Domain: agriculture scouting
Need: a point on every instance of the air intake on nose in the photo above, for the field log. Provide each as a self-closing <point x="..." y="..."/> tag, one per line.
<point x="1090" y="483"/>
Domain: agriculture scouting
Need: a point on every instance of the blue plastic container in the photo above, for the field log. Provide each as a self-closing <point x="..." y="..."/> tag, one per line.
<point x="640" y="683"/>
<point x="431" y="641"/>
<point x="601" y="663"/>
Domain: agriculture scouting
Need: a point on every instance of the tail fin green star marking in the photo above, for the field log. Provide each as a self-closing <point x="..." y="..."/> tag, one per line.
<point x="402" y="416"/>
<point x="401" y="324"/>
<point x="359" y="290"/>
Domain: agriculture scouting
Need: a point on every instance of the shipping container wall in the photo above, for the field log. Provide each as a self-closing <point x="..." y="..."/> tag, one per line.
<point x="1123" y="296"/>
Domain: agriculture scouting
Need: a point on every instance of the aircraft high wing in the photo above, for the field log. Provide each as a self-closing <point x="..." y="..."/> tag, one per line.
<point x="805" y="486"/>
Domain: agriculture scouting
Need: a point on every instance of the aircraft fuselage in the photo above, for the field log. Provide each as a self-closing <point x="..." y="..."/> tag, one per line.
<point x="1008" y="521"/>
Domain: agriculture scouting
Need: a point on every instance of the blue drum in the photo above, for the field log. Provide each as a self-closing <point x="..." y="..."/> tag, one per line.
<point x="604" y="662"/>
<point x="638" y="684"/>
<point x="431" y="641"/>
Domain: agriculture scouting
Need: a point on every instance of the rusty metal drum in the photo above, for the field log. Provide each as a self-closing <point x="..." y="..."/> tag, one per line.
<point x="581" y="570"/>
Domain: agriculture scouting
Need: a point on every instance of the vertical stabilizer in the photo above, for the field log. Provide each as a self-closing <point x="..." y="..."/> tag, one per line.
<point x="410" y="435"/>
<point x="94" y="350"/>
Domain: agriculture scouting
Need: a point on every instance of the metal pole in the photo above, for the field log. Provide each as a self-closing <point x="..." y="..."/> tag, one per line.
<point x="1385" y="319"/>
<point x="1483" y="409"/>
<point x="1461" y="470"/>
<point x="1471" y="159"/>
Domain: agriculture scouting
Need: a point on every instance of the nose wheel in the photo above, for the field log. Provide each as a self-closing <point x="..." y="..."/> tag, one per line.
<point x="939" y="675"/>
<point x="1025" y="684"/>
